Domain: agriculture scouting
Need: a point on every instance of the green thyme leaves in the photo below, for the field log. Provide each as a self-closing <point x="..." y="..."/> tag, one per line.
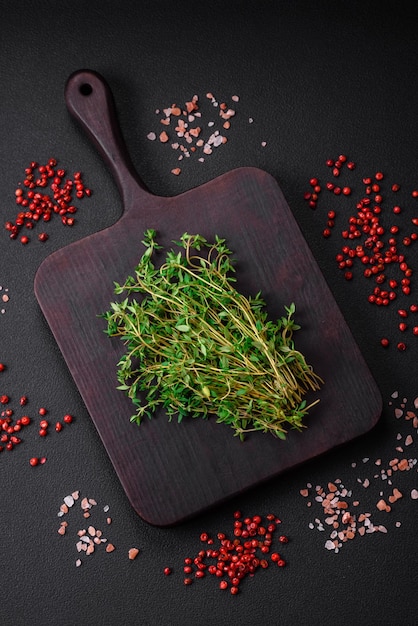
<point x="197" y="347"/>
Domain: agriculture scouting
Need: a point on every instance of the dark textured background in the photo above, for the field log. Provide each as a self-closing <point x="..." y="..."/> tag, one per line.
<point x="318" y="79"/>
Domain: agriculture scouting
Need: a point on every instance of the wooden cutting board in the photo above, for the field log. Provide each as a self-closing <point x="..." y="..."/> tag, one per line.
<point x="172" y="471"/>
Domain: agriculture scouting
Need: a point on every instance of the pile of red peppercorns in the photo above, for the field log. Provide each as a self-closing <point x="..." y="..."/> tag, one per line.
<point x="45" y="191"/>
<point x="11" y="427"/>
<point x="233" y="559"/>
<point x="379" y="249"/>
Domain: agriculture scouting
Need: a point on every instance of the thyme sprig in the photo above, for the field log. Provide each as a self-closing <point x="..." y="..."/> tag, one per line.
<point x="198" y="347"/>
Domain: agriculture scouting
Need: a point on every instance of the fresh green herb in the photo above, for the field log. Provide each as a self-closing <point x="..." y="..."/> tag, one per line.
<point x="198" y="347"/>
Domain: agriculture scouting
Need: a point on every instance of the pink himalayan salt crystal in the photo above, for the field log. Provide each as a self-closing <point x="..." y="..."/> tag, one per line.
<point x="133" y="553"/>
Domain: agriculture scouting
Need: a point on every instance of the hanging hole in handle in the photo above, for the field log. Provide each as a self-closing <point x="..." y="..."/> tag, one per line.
<point x="86" y="89"/>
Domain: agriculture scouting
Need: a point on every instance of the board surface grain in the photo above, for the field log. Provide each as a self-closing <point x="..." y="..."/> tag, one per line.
<point x="173" y="471"/>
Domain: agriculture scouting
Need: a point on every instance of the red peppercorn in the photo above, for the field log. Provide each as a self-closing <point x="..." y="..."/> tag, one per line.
<point x="4" y="399"/>
<point x="415" y="330"/>
<point x="167" y="571"/>
<point x="34" y="461"/>
<point x="44" y="424"/>
<point x="43" y="432"/>
<point x="68" y="419"/>
<point x="2" y="367"/>
<point x="401" y="346"/>
<point x="188" y="581"/>
<point x="58" y="427"/>
<point x="385" y="342"/>
<point x="42" y="411"/>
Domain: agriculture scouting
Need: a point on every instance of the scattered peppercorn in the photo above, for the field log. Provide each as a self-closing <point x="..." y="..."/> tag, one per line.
<point x="10" y="425"/>
<point x="368" y="239"/>
<point x="43" y="192"/>
<point x="231" y="560"/>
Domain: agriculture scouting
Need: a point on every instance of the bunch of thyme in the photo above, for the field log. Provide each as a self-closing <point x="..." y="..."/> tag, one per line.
<point x="197" y="347"/>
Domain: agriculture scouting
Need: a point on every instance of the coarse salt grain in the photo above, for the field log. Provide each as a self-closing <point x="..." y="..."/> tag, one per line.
<point x="69" y="501"/>
<point x="414" y="494"/>
<point x="133" y="553"/>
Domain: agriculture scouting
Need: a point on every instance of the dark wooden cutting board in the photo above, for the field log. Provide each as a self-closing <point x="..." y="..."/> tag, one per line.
<point x="172" y="471"/>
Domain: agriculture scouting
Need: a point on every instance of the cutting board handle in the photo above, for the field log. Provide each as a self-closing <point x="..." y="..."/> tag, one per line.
<point x="90" y="101"/>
